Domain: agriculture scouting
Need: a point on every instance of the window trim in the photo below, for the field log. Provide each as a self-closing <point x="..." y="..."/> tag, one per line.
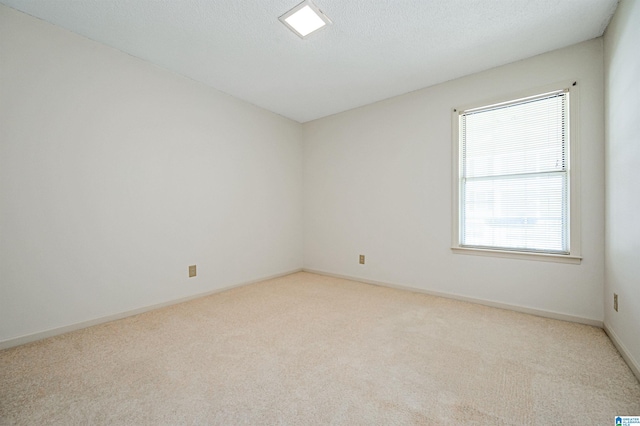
<point x="574" y="256"/>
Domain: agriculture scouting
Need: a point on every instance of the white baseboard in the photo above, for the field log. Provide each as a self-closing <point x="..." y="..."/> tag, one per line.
<point x="21" y="340"/>
<point x="517" y="308"/>
<point x="626" y="355"/>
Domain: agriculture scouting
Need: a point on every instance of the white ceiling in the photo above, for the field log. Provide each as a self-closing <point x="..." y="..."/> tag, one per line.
<point x="375" y="49"/>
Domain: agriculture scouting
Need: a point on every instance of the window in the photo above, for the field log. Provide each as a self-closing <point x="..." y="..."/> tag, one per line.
<point x="513" y="175"/>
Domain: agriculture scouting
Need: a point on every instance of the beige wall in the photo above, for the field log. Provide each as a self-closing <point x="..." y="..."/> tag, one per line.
<point x="115" y="175"/>
<point x="622" y="64"/>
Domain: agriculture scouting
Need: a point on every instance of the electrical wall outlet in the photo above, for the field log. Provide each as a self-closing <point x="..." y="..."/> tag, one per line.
<point x="192" y="271"/>
<point x="362" y="259"/>
<point x="615" y="302"/>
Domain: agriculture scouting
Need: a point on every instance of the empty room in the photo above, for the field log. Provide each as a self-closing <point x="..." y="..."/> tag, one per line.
<point x="319" y="212"/>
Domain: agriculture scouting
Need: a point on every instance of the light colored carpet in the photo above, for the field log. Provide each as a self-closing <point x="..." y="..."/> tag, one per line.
<point x="308" y="349"/>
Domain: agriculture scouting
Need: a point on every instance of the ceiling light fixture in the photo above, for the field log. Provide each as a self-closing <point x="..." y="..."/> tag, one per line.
<point x="305" y="19"/>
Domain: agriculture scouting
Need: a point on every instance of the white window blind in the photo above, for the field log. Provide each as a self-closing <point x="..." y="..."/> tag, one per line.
<point x="514" y="189"/>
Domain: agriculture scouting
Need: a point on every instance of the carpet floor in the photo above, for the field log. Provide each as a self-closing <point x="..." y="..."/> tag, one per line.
<point x="309" y="349"/>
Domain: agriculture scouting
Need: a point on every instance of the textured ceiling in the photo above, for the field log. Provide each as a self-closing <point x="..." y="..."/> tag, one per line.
<point x="374" y="50"/>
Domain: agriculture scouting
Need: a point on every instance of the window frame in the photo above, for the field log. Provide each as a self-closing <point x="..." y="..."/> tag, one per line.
<point x="574" y="255"/>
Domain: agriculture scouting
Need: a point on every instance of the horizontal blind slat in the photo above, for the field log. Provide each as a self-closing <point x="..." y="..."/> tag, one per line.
<point x="515" y="176"/>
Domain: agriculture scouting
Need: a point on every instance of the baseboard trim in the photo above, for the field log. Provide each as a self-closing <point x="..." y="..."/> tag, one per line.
<point x="21" y="340"/>
<point x="626" y="355"/>
<point x="510" y="307"/>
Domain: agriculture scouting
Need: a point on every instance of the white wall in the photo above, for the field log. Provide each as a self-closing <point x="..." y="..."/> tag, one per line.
<point x="622" y="64"/>
<point x="115" y="175"/>
<point x="378" y="182"/>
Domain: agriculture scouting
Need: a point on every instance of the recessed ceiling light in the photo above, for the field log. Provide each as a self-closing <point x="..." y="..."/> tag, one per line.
<point x="305" y="18"/>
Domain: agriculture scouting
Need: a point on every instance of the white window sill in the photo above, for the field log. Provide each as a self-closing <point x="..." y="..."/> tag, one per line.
<point x="542" y="257"/>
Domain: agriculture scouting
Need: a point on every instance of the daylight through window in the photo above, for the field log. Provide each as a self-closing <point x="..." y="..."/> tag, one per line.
<point x="514" y="175"/>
